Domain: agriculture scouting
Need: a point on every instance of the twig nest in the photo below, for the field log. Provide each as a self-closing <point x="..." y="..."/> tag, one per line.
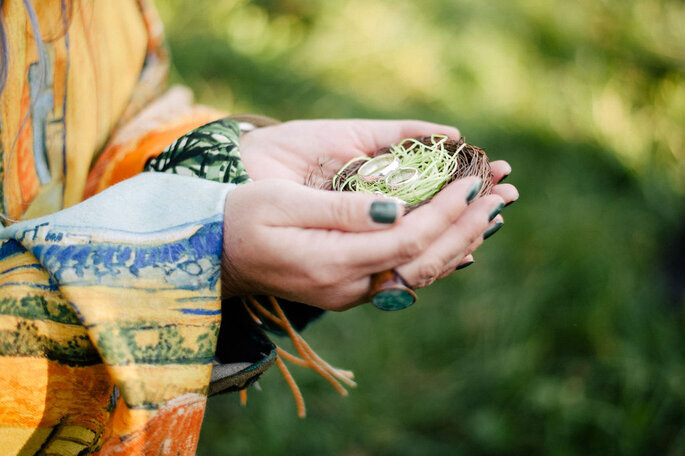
<point x="415" y="170"/>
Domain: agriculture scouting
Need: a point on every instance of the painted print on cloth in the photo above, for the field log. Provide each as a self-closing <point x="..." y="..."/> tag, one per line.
<point x="109" y="310"/>
<point x="110" y="316"/>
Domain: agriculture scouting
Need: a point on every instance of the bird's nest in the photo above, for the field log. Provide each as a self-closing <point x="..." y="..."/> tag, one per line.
<point x="438" y="160"/>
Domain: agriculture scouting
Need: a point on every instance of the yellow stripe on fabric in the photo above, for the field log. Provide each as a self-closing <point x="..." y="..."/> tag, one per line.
<point x="108" y="48"/>
<point x="15" y="439"/>
<point x="22" y="274"/>
<point x="76" y="433"/>
<point x="104" y="304"/>
<point x="151" y="386"/>
<point x="19" y="259"/>
<point x="64" y="448"/>
<point x="57" y="332"/>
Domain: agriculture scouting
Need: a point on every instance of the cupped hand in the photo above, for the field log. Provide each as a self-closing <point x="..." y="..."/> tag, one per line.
<point x="320" y="248"/>
<point x="301" y="149"/>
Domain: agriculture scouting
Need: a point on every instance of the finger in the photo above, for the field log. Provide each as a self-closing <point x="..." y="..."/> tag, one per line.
<point x="454" y="243"/>
<point x="508" y="192"/>
<point x="458" y="262"/>
<point x="450" y="268"/>
<point x="461" y="263"/>
<point x="375" y="252"/>
<point x="494" y="227"/>
<point x="305" y="207"/>
<point x="500" y="170"/>
<point x="375" y="134"/>
<point x="467" y="261"/>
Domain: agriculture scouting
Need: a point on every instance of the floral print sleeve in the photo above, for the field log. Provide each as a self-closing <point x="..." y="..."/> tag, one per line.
<point x="211" y="152"/>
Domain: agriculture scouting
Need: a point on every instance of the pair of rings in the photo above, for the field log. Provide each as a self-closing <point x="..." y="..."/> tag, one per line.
<point x="388" y="168"/>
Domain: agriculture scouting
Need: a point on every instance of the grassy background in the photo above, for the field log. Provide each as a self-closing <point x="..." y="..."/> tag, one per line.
<point x="568" y="334"/>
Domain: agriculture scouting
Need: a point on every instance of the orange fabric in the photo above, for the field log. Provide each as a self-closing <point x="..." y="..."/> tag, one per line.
<point x="120" y="162"/>
<point x="28" y="180"/>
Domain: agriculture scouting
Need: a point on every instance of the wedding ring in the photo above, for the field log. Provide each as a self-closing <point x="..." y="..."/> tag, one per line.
<point x="401" y="177"/>
<point x="379" y="167"/>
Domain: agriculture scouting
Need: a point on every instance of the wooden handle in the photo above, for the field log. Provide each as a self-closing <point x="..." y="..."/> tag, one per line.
<point x="389" y="291"/>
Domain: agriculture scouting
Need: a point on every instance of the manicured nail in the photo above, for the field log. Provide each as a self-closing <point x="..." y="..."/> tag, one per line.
<point x="393" y="299"/>
<point x="492" y="230"/>
<point x="502" y="179"/>
<point x="383" y="211"/>
<point x="465" y="265"/>
<point x="475" y="188"/>
<point x="495" y="211"/>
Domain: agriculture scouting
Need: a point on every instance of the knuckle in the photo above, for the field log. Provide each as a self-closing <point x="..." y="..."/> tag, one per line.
<point x="445" y="272"/>
<point x="428" y="272"/>
<point x="476" y="242"/>
<point x="410" y="247"/>
<point x="424" y="283"/>
<point x="324" y="278"/>
<point x="475" y="235"/>
<point x="443" y="218"/>
<point x="343" y="212"/>
<point x="312" y="275"/>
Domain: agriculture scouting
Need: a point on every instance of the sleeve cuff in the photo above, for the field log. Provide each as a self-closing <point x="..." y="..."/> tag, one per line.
<point x="210" y="152"/>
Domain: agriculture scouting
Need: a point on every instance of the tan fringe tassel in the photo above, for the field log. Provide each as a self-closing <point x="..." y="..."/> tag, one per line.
<point x="308" y="357"/>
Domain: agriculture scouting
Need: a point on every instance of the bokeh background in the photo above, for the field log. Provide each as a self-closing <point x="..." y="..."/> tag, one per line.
<point x="568" y="334"/>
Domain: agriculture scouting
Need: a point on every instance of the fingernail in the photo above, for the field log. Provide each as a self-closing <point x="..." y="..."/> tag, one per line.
<point x="502" y="179"/>
<point x="475" y="188"/>
<point x="465" y="265"/>
<point x="383" y="211"/>
<point x="492" y="230"/>
<point x="393" y="299"/>
<point x="495" y="211"/>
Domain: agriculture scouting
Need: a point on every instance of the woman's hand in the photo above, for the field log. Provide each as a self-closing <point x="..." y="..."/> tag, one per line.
<point x="316" y="149"/>
<point x="320" y="248"/>
<point x="300" y="149"/>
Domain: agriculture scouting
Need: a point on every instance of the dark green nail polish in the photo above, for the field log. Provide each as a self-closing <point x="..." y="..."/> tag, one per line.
<point x="464" y="265"/>
<point x="393" y="300"/>
<point x="495" y="211"/>
<point x="475" y="188"/>
<point x="503" y="178"/>
<point x="492" y="230"/>
<point x="383" y="211"/>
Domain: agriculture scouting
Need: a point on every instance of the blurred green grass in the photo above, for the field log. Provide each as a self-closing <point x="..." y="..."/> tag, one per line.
<point x="568" y="334"/>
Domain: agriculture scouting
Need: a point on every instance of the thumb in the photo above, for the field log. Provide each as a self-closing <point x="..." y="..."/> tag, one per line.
<point x="306" y="207"/>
